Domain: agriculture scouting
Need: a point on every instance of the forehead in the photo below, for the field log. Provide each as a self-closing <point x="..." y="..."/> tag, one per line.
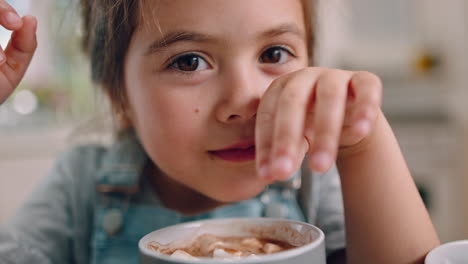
<point x="221" y="17"/>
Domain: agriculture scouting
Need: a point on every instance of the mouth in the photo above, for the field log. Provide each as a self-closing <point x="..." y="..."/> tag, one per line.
<point x="241" y="152"/>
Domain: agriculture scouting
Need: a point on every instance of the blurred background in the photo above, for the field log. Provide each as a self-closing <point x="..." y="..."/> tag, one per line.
<point x="417" y="47"/>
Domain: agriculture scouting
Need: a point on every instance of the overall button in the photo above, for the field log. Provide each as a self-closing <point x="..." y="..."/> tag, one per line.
<point x="112" y="221"/>
<point x="276" y="210"/>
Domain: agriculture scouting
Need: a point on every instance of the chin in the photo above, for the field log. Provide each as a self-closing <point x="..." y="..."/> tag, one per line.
<point x="231" y="195"/>
<point x="233" y="186"/>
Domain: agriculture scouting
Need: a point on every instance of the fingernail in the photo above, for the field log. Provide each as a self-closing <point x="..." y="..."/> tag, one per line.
<point x="283" y="164"/>
<point x="34" y="23"/>
<point x="321" y="160"/>
<point x="12" y="18"/>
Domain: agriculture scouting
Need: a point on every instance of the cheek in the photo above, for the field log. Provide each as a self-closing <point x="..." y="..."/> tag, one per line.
<point x="171" y="127"/>
<point x="165" y="116"/>
<point x="172" y="123"/>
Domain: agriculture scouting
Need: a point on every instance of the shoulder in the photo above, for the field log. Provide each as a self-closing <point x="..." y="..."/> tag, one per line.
<point x="73" y="175"/>
<point x="97" y="157"/>
<point x="111" y="166"/>
<point x="84" y="154"/>
<point x="81" y="160"/>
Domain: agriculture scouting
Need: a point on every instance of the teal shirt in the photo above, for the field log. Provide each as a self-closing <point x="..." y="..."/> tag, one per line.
<point x="94" y="207"/>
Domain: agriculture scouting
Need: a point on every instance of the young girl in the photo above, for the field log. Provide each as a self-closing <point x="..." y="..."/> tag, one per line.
<point x="218" y="107"/>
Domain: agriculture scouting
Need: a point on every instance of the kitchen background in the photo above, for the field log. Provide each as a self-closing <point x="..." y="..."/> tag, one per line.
<point x="417" y="47"/>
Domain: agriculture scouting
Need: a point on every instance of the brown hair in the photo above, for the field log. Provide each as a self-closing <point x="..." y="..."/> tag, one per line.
<point x="108" y="26"/>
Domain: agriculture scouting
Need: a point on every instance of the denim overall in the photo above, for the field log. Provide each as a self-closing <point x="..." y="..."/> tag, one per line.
<point x="122" y="217"/>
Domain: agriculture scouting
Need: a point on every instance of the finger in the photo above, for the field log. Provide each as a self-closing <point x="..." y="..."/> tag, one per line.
<point x="264" y="127"/>
<point x="18" y="55"/>
<point x="9" y="18"/>
<point x="331" y="96"/>
<point x="288" y="133"/>
<point x="367" y="90"/>
<point x="20" y="50"/>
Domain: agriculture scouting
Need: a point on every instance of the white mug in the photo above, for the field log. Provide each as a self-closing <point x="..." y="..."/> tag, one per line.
<point x="312" y="251"/>
<point x="455" y="252"/>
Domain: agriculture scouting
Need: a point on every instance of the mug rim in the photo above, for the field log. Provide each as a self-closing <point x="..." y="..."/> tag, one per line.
<point x="265" y="258"/>
<point x="433" y="253"/>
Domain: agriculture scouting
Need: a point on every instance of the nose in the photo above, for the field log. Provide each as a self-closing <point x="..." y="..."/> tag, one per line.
<point x="242" y="89"/>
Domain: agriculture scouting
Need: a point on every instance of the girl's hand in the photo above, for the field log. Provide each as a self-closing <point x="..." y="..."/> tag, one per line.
<point x="316" y="111"/>
<point x="15" y="59"/>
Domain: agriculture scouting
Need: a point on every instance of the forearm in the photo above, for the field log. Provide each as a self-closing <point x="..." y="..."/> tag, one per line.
<point x="386" y="220"/>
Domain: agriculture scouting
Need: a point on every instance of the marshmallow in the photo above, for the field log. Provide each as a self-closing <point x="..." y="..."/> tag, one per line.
<point x="180" y="254"/>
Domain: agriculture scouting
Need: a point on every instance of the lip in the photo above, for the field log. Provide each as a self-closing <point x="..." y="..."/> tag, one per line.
<point x="239" y="152"/>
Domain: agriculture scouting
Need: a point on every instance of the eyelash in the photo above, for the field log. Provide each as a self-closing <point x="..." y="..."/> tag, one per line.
<point x="281" y="47"/>
<point x="172" y="61"/>
<point x="170" y="65"/>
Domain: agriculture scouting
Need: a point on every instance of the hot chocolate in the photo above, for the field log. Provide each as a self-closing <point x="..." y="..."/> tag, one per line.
<point x="219" y="247"/>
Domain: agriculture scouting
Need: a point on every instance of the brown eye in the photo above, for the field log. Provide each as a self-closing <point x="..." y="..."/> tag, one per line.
<point x="189" y="62"/>
<point x="274" y="55"/>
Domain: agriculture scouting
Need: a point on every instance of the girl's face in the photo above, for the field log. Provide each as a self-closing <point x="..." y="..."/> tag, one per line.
<point x="195" y="73"/>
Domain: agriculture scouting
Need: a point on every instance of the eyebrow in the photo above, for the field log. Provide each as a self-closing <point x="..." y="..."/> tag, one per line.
<point x="187" y="36"/>
<point x="283" y="29"/>
<point x="177" y="36"/>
